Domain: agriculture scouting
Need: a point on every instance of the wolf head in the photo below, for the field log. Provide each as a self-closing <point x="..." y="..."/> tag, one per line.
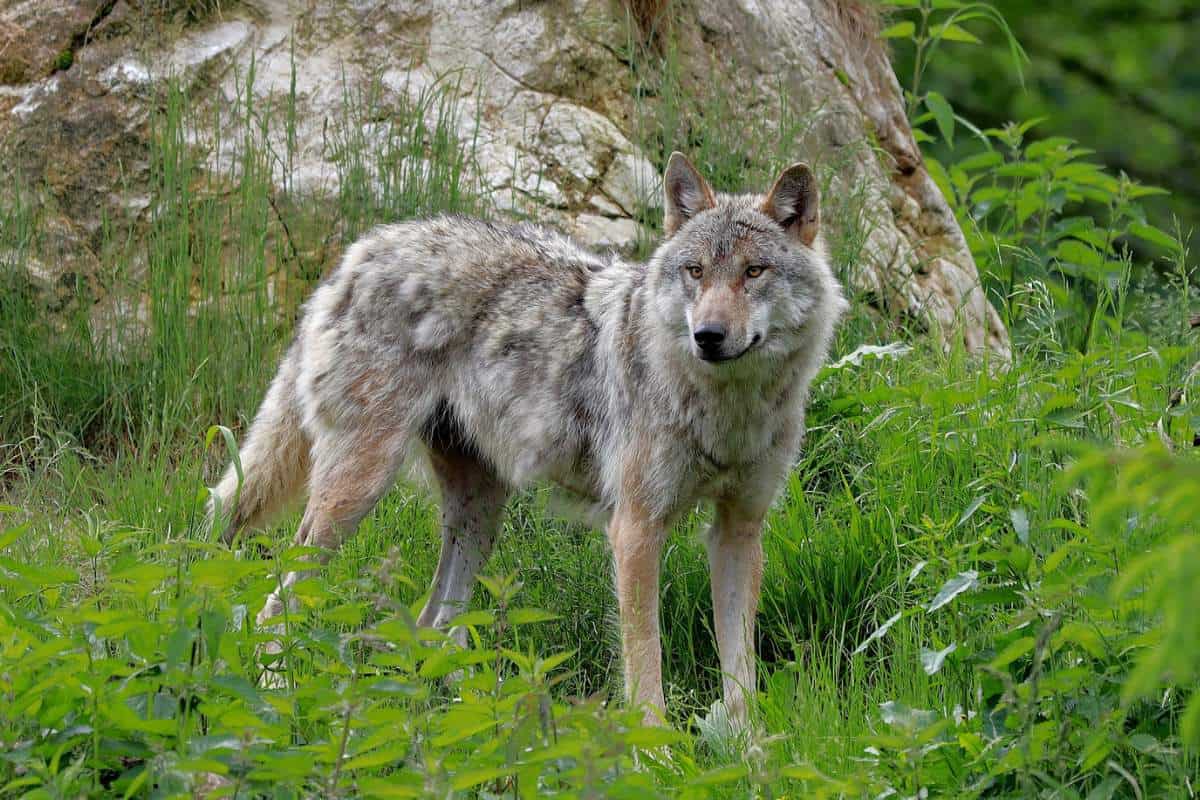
<point x="740" y="275"/>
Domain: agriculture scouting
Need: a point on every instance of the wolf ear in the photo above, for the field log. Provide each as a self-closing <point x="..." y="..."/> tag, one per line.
<point x="685" y="193"/>
<point x="794" y="202"/>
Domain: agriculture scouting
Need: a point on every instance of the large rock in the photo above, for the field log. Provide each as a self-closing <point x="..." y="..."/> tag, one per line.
<point x="546" y="96"/>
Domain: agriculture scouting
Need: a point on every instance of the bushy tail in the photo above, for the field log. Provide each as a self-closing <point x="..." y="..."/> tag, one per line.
<point x="274" y="458"/>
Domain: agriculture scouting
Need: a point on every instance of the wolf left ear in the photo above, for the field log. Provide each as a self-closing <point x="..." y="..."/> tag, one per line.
<point x="794" y="202"/>
<point x="685" y="193"/>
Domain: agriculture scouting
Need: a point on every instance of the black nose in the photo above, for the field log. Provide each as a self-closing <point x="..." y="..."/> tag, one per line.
<point x="709" y="336"/>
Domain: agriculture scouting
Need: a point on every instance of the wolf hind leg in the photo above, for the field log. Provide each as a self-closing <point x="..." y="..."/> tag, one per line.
<point x="350" y="473"/>
<point x="473" y="500"/>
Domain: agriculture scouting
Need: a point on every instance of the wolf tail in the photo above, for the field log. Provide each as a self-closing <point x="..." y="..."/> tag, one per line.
<point x="274" y="459"/>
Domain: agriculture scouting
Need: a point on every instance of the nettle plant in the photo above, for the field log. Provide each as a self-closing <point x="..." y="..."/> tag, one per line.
<point x="928" y="24"/>
<point x="1041" y="219"/>
<point x="136" y="670"/>
<point x="1083" y="651"/>
<point x="1051" y="231"/>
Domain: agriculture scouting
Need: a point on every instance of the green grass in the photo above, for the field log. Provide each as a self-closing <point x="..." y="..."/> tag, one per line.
<point x="128" y="668"/>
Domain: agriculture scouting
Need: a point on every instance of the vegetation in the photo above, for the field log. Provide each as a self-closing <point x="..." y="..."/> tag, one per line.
<point x="1119" y="76"/>
<point x="981" y="579"/>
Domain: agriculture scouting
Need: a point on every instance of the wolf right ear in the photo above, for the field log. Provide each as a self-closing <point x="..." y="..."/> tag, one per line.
<point x="685" y="193"/>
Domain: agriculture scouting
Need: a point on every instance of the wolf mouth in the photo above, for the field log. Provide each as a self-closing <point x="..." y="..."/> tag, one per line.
<point x="719" y="359"/>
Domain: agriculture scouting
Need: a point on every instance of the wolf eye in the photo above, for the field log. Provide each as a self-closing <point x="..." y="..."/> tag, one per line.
<point x="696" y="271"/>
<point x="755" y="271"/>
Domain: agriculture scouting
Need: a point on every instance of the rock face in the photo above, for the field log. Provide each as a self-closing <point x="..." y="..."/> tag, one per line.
<point x="547" y="93"/>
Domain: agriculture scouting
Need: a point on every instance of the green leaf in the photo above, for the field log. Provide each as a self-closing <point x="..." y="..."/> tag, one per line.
<point x="653" y="737"/>
<point x="878" y="633"/>
<point x="349" y="614"/>
<point x="525" y="616"/>
<point x="463" y="724"/>
<point x="12" y="534"/>
<point x="439" y="664"/>
<point x="1156" y="236"/>
<point x="901" y="30"/>
<point x="550" y="662"/>
<point x="179" y="644"/>
<point x="981" y="161"/>
<point x="953" y="588"/>
<point x="1098" y="746"/>
<point x="9" y="789"/>
<point x="1029" y="202"/>
<point x="39" y="575"/>
<point x="989" y="195"/>
<point x="1020" y="521"/>
<point x="970" y="510"/>
<point x="473" y="777"/>
<point x="1056" y="558"/>
<point x="389" y="787"/>
<point x="141" y="578"/>
<point x="1189" y="725"/>
<point x="1073" y="251"/>
<point x="932" y="660"/>
<point x="1144" y="742"/>
<point x="1042" y="148"/>
<point x="943" y="115"/>
<point x="954" y="33"/>
<point x="1015" y="650"/>
<point x="1020" y="169"/>
<point x="1083" y="636"/>
<point x="475" y="618"/>
<point x="222" y="573"/>
<point x="124" y="719"/>
<point x="377" y="758"/>
<point x="720" y="776"/>
<point x="1137" y="191"/>
<point x="803" y="772"/>
<point x="941" y="178"/>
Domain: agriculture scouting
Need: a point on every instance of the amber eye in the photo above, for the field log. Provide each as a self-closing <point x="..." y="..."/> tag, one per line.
<point x="754" y="272"/>
<point x="696" y="271"/>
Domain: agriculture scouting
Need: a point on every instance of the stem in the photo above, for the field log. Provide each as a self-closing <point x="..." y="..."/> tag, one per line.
<point x="1094" y="311"/>
<point x="95" y="726"/>
<point x="337" y="767"/>
<point x="921" y="39"/>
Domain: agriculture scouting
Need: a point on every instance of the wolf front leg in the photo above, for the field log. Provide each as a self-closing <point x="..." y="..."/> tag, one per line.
<point x="637" y="542"/>
<point x="735" y="562"/>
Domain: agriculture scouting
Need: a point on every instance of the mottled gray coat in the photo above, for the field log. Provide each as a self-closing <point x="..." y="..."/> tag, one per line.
<point x="507" y="354"/>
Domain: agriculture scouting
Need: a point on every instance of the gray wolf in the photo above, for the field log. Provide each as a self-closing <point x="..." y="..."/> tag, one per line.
<point x="506" y="354"/>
